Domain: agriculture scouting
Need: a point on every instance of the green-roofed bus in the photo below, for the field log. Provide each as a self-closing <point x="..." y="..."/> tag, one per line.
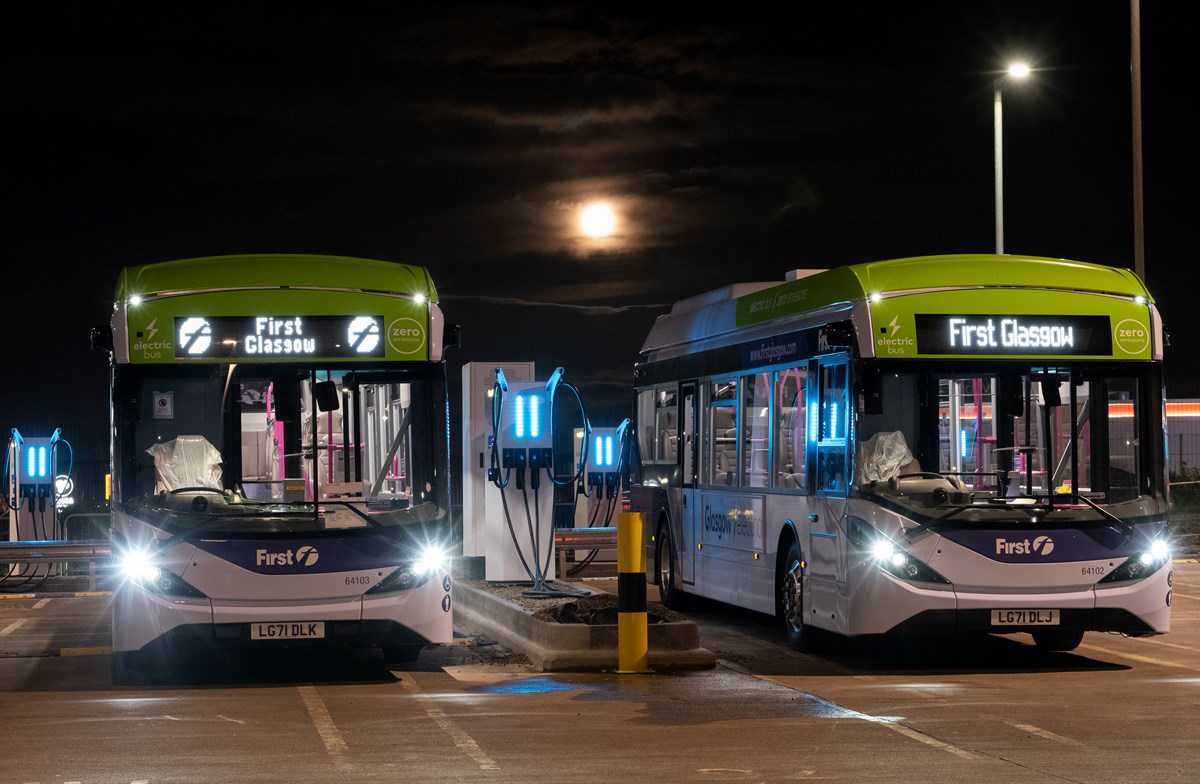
<point x="280" y="456"/>
<point x="950" y="444"/>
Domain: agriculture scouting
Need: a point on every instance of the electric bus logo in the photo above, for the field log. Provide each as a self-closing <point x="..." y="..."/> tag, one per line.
<point x="1041" y="545"/>
<point x="364" y="334"/>
<point x="195" y="335"/>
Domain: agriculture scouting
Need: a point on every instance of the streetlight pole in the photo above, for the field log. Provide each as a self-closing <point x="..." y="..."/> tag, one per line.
<point x="1017" y="71"/>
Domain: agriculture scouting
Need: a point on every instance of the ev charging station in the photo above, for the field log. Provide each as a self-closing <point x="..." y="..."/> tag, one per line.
<point x="478" y="390"/>
<point x="32" y="468"/>
<point x="521" y="481"/>
<point x="605" y="459"/>
<point x="601" y="493"/>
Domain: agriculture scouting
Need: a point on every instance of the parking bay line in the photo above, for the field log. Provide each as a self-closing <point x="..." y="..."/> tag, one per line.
<point x="335" y="744"/>
<point x="462" y="740"/>
<point x="1136" y="657"/>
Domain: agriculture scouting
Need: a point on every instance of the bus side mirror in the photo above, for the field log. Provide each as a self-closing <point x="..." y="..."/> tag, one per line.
<point x="1050" y="394"/>
<point x="327" y="396"/>
<point x="451" y="336"/>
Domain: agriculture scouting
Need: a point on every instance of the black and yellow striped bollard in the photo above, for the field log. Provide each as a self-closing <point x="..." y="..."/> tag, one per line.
<point x="633" y="633"/>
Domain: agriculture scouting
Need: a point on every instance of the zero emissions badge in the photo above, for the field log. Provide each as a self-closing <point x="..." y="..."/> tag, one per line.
<point x="1131" y="336"/>
<point x="406" y="336"/>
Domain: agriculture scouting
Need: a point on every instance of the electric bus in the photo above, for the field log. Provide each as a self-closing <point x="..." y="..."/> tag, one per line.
<point x="948" y="444"/>
<point x="280" y="456"/>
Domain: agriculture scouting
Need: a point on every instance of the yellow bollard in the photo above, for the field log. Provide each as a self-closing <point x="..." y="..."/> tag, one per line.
<point x="633" y="632"/>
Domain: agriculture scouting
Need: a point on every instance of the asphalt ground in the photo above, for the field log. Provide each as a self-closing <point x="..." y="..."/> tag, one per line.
<point x="995" y="709"/>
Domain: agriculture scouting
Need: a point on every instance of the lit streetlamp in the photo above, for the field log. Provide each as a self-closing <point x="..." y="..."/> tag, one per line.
<point x="1016" y="71"/>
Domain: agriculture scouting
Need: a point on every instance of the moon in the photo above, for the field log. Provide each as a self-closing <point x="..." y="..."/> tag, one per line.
<point x="598" y="220"/>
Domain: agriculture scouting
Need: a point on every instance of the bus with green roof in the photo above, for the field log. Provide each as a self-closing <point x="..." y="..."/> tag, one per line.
<point x="949" y="444"/>
<point x="279" y="457"/>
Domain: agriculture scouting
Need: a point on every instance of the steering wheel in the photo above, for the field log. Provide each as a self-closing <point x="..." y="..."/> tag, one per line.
<point x="179" y="490"/>
<point x="199" y="503"/>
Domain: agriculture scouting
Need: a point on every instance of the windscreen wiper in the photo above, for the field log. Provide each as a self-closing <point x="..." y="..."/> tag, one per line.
<point x="1121" y="524"/>
<point x="909" y="533"/>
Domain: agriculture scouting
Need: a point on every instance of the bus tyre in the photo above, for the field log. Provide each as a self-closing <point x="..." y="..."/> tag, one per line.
<point x="800" y="636"/>
<point x="664" y="560"/>
<point x="1058" y="639"/>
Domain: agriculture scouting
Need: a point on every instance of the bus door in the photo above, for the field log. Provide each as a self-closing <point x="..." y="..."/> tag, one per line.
<point x="832" y="480"/>
<point x="689" y="445"/>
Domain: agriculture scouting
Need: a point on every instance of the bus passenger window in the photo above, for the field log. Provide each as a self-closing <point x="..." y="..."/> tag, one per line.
<point x="720" y="464"/>
<point x="657" y="423"/>
<point x="756" y="403"/>
<point x="790" y="431"/>
<point x="831" y="436"/>
<point x="666" y="423"/>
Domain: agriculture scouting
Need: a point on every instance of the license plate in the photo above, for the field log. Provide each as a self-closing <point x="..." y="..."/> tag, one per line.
<point x="291" y="630"/>
<point x="1024" y="617"/>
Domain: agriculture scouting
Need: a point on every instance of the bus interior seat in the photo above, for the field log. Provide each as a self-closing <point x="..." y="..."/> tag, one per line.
<point x="786" y="474"/>
<point x="329" y="427"/>
<point x="186" y="461"/>
<point x="668" y="445"/>
<point x="256" y="462"/>
<point x="724" y="445"/>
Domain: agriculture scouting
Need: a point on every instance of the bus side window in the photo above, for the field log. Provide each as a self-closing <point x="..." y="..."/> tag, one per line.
<point x="756" y="452"/>
<point x="723" y="462"/>
<point x="645" y="424"/>
<point x="831" y="437"/>
<point x="790" y="431"/>
<point x="720" y="448"/>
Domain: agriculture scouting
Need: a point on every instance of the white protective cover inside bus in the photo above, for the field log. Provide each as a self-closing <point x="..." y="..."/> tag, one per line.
<point x="185" y="461"/>
<point x="883" y="455"/>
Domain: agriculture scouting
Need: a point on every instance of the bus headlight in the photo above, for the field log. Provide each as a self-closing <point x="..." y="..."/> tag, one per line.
<point x="898" y="563"/>
<point x="138" y="566"/>
<point x="433" y="559"/>
<point x="410" y="574"/>
<point x="141" y="568"/>
<point x="1143" y="564"/>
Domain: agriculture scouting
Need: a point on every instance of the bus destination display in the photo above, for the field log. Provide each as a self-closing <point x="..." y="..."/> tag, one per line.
<point x="1013" y="334"/>
<point x="209" y="337"/>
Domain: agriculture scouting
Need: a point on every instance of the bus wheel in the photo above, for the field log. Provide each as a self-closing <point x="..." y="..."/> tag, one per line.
<point x="664" y="557"/>
<point x="1058" y="639"/>
<point x="800" y="636"/>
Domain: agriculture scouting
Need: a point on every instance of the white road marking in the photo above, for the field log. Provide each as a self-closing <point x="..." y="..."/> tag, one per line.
<point x="1041" y="733"/>
<point x="12" y="627"/>
<point x="41" y="604"/>
<point x="335" y="745"/>
<point x="464" y="742"/>
<point x="1135" y="657"/>
<point x="892" y="723"/>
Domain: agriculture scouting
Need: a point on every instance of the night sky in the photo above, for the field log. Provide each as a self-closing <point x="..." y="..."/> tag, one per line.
<point x="735" y="141"/>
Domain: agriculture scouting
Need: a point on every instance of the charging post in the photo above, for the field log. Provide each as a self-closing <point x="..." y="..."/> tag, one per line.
<point x="520" y="541"/>
<point x="478" y="390"/>
<point x="32" y="469"/>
